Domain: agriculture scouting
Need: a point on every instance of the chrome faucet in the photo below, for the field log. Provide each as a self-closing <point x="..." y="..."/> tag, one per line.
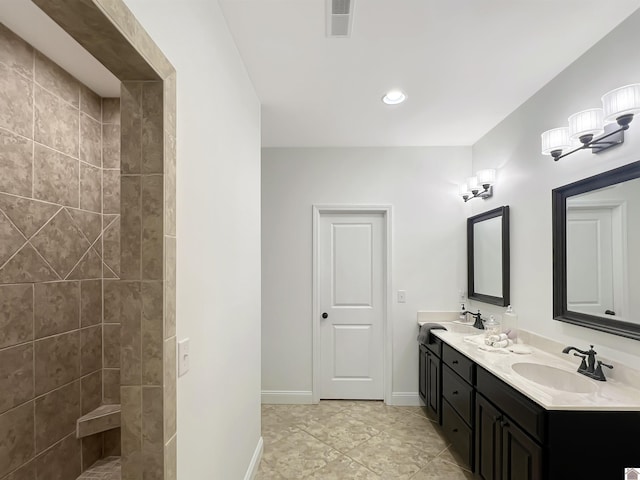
<point x="588" y="365"/>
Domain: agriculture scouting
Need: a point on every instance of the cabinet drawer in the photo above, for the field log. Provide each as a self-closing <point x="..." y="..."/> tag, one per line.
<point x="458" y="433"/>
<point x="523" y="411"/>
<point x="458" y="393"/>
<point x="434" y="344"/>
<point x="459" y="363"/>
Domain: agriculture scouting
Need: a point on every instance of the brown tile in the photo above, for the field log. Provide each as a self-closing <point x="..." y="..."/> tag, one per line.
<point x="91" y="450"/>
<point x="152" y="219"/>
<point x="27" y="266"/>
<point x="90" y="188"/>
<point x="152" y="338"/>
<point x="152" y="435"/>
<point x="17" y="439"/>
<point x="61" y="243"/>
<point x="111" y="345"/>
<point x="89" y="223"/>
<point x="152" y="131"/>
<point x="16" y="314"/>
<point x="57" y="361"/>
<point x="56" y="415"/>
<point x="56" y="80"/>
<point x="90" y="266"/>
<point x="112" y="301"/>
<point x="16" y="376"/>
<point x="26" y="214"/>
<point x="111" y="242"/>
<point x="57" y="308"/>
<point x="170" y="185"/>
<point x="26" y="472"/>
<point x="170" y="287"/>
<point x="101" y="419"/>
<point x="169" y="109"/>
<point x="60" y="462"/>
<point x="15" y="52"/>
<point x="154" y="56"/>
<point x="16" y="162"/>
<point x="131" y="132"/>
<point x="90" y="392"/>
<point x="131" y="432"/>
<point x="170" y="387"/>
<point x="111" y="381"/>
<point x="90" y="140"/>
<point x="16" y="102"/>
<point x="56" y="123"/>
<point x="112" y="443"/>
<point x="11" y="240"/>
<point x="90" y="103"/>
<point x="130" y="228"/>
<point x="111" y="191"/>
<point x="130" y="335"/>
<point x="111" y="146"/>
<point x="90" y="349"/>
<point x="171" y="459"/>
<point x="90" y="302"/>
<point x="111" y="110"/>
<point x="56" y="177"/>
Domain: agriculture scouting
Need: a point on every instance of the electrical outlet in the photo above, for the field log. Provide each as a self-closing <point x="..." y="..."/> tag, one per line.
<point x="183" y="357"/>
<point x="402" y="296"/>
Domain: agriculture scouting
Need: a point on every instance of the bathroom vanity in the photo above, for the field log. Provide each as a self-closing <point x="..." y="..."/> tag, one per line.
<point x="502" y="425"/>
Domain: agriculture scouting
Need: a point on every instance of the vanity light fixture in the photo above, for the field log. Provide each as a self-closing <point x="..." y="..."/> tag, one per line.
<point x="593" y="128"/>
<point x="480" y="186"/>
<point x="394" y="97"/>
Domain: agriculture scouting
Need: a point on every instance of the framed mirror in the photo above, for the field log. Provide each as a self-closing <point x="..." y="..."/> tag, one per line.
<point x="488" y="257"/>
<point x="596" y="252"/>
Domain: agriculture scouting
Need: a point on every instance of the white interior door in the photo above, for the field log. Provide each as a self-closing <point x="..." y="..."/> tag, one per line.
<point x="351" y="263"/>
<point x="590" y="260"/>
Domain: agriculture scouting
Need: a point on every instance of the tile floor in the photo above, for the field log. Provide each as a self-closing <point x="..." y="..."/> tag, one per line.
<point x="344" y="440"/>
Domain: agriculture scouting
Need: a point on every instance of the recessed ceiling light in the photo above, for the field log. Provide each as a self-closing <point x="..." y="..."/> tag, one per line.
<point x="394" y="97"/>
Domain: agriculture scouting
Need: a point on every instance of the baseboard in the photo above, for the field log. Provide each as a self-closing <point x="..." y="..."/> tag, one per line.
<point x="405" y="399"/>
<point x="254" y="466"/>
<point x="286" y="397"/>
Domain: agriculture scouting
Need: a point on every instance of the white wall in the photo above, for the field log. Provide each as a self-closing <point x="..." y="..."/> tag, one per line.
<point x="218" y="261"/>
<point x="526" y="178"/>
<point x="428" y="245"/>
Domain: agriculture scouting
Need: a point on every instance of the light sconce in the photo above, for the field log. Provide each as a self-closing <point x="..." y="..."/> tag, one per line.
<point x="480" y="186"/>
<point x="588" y="127"/>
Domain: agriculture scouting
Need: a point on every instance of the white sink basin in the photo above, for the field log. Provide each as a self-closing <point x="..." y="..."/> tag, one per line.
<point x="552" y="377"/>
<point x="461" y="328"/>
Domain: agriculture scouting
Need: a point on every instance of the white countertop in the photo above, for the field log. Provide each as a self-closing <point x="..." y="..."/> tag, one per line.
<point x="609" y="395"/>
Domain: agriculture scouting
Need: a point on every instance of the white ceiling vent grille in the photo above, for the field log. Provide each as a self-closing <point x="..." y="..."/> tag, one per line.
<point x="339" y="18"/>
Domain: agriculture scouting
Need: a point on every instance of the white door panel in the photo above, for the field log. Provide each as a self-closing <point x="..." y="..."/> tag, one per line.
<point x="351" y="292"/>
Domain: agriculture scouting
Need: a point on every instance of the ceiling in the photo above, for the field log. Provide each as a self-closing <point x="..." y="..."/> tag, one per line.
<point x="25" y="19"/>
<point x="464" y="64"/>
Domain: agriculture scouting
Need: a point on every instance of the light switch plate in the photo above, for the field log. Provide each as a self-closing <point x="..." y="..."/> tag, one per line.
<point x="183" y="357"/>
<point x="402" y="296"/>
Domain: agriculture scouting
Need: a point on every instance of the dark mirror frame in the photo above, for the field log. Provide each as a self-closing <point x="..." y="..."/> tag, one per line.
<point x="559" y="198"/>
<point x="506" y="271"/>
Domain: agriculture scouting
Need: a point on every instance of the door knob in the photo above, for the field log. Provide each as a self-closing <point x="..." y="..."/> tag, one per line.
<point x="325" y="315"/>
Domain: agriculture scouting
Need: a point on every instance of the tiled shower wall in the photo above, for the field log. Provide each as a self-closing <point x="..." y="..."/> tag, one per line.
<point x="58" y="239"/>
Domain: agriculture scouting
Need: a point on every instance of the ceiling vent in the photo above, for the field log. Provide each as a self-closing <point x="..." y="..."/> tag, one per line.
<point x="339" y="18"/>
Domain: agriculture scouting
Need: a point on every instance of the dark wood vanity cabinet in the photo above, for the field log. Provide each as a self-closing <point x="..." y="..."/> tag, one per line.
<point x="430" y="378"/>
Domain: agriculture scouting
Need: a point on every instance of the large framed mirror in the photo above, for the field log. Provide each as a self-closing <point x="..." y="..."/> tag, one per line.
<point x="596" y="252"/>
<point x="488" y="258"/>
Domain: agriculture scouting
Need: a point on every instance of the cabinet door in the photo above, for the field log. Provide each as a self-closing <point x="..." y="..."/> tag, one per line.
<point x="422" y="373"/>
<point x="488" y="439"/>
<point x="434" y="397"/>
<point x="521" y="456"/>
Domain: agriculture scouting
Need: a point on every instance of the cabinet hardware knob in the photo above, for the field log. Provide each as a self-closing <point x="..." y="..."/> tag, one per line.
<point x="497" y="418"/>
<point x="455" y="392"/>
<point x="455" y="430"/>
<point x="504" y="424"/>
<point x="325" y="315"/>
<point x="455" y="362"/>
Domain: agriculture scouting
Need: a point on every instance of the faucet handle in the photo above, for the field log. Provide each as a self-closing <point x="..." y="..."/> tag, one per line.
<point x="604" y="364"/>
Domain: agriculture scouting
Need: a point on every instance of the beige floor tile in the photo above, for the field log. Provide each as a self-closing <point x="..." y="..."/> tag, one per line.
<point x="450" y="456"/>
<point x="266" y="472"/>
<point x="378" y="415"/>
<point x="341" y="431"/>
<point x="298" y="455"/>
<point x="419" y="433"/>
<point x="438" y="469"/>
<point x="390" y="457"/>
<point x="344" y="468"/>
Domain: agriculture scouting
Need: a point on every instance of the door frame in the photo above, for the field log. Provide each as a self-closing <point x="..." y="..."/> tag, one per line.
<point x="387" y="357"/>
